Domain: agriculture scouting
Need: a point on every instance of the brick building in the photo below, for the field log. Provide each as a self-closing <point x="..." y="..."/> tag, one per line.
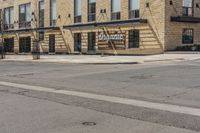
<point x="99" y="26"/>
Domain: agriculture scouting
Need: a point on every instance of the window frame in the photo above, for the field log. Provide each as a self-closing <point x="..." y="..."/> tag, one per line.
<point x="24" y="23"/>
<point x="115" y="15"/>
<point x="53" y="21"/>
<point x="91" y="16"/>
<point x="186" y="9"/>
<point x="135" y="46"/>
<point x="77" y="18"/>
<point x="10" y="25"/>
<point x="183" y="37"/>
<point x="136" y="12"/>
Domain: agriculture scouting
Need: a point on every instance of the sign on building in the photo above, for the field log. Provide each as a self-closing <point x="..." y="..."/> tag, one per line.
<point x="106" y="41"/>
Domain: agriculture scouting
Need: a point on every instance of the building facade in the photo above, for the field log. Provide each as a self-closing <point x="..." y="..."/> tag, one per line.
<point x="99" y="26"/>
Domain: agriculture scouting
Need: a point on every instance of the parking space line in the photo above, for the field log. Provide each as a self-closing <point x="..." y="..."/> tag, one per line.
<point x="112" y="99"/>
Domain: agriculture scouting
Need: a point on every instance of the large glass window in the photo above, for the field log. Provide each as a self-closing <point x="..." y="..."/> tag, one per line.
<point x="25" y="44"/>
<point x="25" y="16"/>
<point x="188" y="35"/>
<point x="9" y="44"/>
<point x="134" y="39"/>
<point x="77" y="42"/>
<point x="134" y="9"/>
<point x="8" y="18"/>
<point x="188" y="8"/>
<point x="116" y="9"/>
<point x="91" y="10"/>
<point x="77" y="11"/>
<point x="41" y="13"/>
<point x="53" y="13"/>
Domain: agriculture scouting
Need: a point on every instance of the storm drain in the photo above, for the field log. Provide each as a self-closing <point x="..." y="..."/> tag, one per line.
<point x="89" y="123"/>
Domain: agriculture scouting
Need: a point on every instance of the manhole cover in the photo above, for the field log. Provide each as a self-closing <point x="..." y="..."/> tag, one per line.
<point x="89" y="123"/>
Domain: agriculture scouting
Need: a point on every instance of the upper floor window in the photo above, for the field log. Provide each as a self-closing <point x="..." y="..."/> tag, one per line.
<point x="91" y="10"/>
<point x="115" y="9"/>
<point x="8" y="18"/>
<point x="188" y="8"/>
<point x="25" y="16"/>
<point x="134" y="9"/>
<point x="53" y="13"/>
<point x="77" y="11"/>
<point x="41" y="13"/>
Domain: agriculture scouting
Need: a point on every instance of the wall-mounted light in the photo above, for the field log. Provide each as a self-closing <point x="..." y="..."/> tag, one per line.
<point x="197" y="5"/>
<point x="171" y="2"/>
<point x="69" y="15"/>
<point x="147" y="4"/>
<point x="59" y="16"/>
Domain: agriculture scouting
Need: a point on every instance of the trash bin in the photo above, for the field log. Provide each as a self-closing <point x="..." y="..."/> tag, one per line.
<point x="36" y="50"/>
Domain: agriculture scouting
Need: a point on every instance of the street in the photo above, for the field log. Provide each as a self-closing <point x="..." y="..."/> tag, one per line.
<point x="159" y="97"/>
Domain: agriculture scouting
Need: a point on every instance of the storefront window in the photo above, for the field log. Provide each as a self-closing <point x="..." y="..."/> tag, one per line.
<point x="9" y="44"/>
<point x="116" y="9"/>
<point x="134" y="38"/>
<point x="188" y="35"/>
<point x="25" y="44"/>
<point x="77" y="42"/>
<point x="134" y="9"/>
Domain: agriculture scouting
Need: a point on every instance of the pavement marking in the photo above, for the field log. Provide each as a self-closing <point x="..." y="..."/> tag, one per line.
<point x="126" y="101"/>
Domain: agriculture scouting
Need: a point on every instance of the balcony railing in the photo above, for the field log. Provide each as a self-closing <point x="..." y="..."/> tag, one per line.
<point x="116" y="16"/>
<point x="92" y="17"/>
<point x="8" y="26"/>
<point x="53" y="22"/>
<point x="187" y="11"/>
<point x="24" y="24"/>
<point x="77" y="19"/>
<point x="134" y="14"/>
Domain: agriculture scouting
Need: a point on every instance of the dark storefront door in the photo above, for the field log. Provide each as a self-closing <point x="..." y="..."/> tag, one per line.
<point x="25" y="44"/>
<point x="77" y="42"/>
<point x="91" y="41"/>
<point x="52" y="43"/>
<point x="9" y="45"/>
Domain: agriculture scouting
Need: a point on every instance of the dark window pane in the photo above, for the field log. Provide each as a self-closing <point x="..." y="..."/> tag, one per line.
<point x="134" y="38"/>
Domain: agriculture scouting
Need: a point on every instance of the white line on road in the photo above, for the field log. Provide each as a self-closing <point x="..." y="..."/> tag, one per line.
<point x="126" y="101"/>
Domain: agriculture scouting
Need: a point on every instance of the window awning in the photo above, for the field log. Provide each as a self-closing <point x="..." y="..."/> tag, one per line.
<point x="110" y="23"/>
<point x="187" y="19"/>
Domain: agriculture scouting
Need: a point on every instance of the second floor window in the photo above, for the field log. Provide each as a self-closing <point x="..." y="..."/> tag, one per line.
<point x="41" y="13"/>
<point x="77" y="11"/>
<point x="134" y="9"/>
<point x="53" y="12"/>
<point x="25" y="16"/>
<point x="115" y="9"/>
<point x="8" y="18"/>
<point x="187" y="7"/>
<point x="91" y="10"/>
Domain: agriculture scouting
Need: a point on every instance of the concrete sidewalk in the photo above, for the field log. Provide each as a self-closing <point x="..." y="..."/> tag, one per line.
<point x="97" y="59"/>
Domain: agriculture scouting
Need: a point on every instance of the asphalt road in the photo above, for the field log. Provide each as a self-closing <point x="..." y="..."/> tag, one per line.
<point x="30" y="111"/>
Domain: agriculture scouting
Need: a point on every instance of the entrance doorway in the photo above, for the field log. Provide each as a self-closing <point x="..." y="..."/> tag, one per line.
<point x="52" y="43"/>
<point x="9" y="45"/>
<point x="77" y="42"/>
<point x="25" y="44"/>
<point x="91" y="41"/>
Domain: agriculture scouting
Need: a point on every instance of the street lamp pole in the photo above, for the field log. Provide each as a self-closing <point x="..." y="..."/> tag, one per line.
<point x="36" y="47"/>
<point x="2" y="53"/>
